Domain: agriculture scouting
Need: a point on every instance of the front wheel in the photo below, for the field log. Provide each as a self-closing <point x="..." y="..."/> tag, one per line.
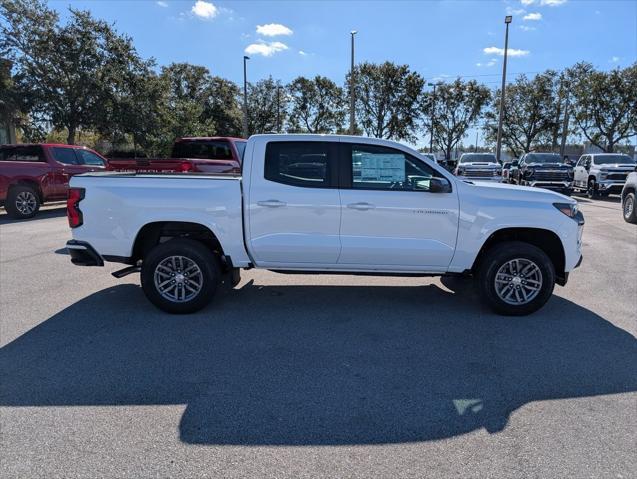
<point x="592" y="189"/>
<point x="629" y="208"/>
<point x="180" y="276"/>
<point x="516" y="278"/>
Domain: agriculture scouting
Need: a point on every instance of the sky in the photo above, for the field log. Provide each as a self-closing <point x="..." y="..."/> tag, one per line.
<point x="441" y="40"/>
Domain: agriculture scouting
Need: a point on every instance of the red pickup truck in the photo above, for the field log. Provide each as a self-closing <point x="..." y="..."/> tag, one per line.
<point x="33" y="174"/>
<point x="209" y="154"/>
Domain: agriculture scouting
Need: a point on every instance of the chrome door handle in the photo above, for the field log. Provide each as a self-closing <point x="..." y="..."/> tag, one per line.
<point x="361" y="206"/>
<point x="271" y="203"/>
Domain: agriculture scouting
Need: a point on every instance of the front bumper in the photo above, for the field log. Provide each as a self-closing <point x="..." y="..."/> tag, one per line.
<point x="550" y="185"/>
<point x="83" y="254"/>
<point x="610" y="186"/>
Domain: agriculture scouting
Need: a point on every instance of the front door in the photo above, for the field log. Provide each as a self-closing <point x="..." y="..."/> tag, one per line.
<point x="580" y="174"/>
<point x="294" y="205"/>
<point x="391" y="220"/>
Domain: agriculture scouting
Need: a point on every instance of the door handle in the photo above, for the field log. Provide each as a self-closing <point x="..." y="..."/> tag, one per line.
<point x="361" y="206"/>
<point x="271" y="203"/>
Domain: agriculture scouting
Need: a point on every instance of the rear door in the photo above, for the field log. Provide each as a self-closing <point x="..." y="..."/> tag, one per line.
<point x="293" y="204"/>
<point x="390" y="219"/>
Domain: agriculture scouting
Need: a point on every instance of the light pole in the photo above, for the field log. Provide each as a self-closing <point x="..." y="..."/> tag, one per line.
<point x="564" y="128"/>
<point x="498" y="148"/>
<point x="278" y="108"/>
<point x="352" y="95"/>
<point x="245" y="97"/>
<point x="433" y="110"/>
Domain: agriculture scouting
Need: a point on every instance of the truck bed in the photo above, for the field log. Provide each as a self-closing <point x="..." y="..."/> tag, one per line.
<point x="118" y="204"/>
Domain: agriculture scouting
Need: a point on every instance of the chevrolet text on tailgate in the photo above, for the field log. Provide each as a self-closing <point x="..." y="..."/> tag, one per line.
<point x="325" y="204"/>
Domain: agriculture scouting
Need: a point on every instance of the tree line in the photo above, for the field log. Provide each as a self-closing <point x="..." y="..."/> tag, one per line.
<point x="84" y="78"/>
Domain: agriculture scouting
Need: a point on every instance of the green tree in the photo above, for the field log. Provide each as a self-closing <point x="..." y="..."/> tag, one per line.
<point x="387" y="100"/>
<point x="454" y="108"/>
<point x="263" y="99"/>
<point x="530" y="115"/>
<point x="317" y="105"/>
<point x="66" y="73"/>
<point x="605" y="104"/>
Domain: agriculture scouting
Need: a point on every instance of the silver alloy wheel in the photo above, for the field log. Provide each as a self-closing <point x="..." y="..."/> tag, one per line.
<point x="26" y="202"/>
<point x="178" y="279"/>
<point x="518" y="281"/>
<point x="629" y="206"/>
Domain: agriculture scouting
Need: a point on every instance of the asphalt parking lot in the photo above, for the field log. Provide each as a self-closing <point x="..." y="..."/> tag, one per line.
<point x="315" y="376"/>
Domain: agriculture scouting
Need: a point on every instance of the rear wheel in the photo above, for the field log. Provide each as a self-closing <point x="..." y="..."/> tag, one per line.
<point x="629" y="208"/>
<point x="516" y="278"/>
<point x="22" y="202"/>
<point x="180" y="276"/>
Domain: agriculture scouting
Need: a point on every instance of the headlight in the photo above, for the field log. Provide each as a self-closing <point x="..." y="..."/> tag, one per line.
<point x="529" y="172"/>
<point x="603" y="174"/>
<point x="460" y="171"/>
<point x="569" y="209"/>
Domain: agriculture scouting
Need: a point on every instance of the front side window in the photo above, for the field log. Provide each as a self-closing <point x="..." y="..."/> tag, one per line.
<point x="90" y="158"/>
<point x="382" y="168"/>
<point x="299" y="163"/>
<point x="66" y="156"/>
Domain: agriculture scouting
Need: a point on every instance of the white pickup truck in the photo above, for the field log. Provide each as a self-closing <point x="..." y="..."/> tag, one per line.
<point x="325" y="204"/>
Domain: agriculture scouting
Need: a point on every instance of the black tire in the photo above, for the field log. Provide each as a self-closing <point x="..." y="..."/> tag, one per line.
<point x="499" y="255"/>
<point x="629" y="208"/>
<point x="22" y="202"/>
<point x="591" y="192"/>
<point x="193" y="251"/>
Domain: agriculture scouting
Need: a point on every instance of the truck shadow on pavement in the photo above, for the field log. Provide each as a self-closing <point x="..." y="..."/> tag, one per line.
<point x="56" y="212"/>
<point x="319" y="365"/>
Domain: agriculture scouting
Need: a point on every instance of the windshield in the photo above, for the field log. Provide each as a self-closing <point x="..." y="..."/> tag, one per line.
<point x="241" y="147"/>
<point x="613" y="159"/>
<point x="543" y="158"/>
<point x="478" y="158"/>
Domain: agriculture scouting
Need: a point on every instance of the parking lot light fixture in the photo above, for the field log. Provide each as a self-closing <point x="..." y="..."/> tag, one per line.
<point x="507" y="20"/>
<point x="352" y="95"/>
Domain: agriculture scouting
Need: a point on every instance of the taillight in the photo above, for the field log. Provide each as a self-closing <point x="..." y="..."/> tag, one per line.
<point x="72" y="207"/>
<point x="185" y="166"/>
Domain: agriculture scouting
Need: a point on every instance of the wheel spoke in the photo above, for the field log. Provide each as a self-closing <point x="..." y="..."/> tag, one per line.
<point x="178" y="278"/>
<point x="518" y="281"/>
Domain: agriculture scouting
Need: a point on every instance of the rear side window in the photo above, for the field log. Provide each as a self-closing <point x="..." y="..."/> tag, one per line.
<point x="89" y="158"/>
<point x="66" y="156"/>
<point x="204" y="149"/>
<point x="22" y="153"/>
<point x="300" y="163"/>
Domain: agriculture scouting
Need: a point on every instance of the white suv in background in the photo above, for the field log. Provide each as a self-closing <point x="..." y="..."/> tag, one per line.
<point x="479" y="167"/>
<point x="602" y="174"/>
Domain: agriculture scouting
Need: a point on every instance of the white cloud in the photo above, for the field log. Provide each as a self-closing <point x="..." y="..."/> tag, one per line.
<point x="302" y="53"/>
<point x="267" y="49"/>
<point x="533" y="16"/>
<point x="515" y="11"/>
<point x="527" y="2"/>
<point x="161" y="3"/>
<point x="552" y="3"/>
<point x="526" y="28"/>
<point x="614" y="60"/>
<point x="513" y="52"/>
<point x="205" y="10"/>
<point x="490" y="63"/>
<point x="273" y="30"/>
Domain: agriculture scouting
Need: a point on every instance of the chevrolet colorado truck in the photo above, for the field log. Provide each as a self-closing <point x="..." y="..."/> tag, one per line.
<point x="479" y="167"/>
<point x="543" y="170"/>
<point x="325" y="204"/>
<point x="31" y="174"/>
<point x="206" y="154"/>
<point x="602" y="174"/>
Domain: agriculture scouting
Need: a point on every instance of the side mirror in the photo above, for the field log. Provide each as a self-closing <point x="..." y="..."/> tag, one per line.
<point x="515" y="163"/>
<point x="439" y="185"/>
